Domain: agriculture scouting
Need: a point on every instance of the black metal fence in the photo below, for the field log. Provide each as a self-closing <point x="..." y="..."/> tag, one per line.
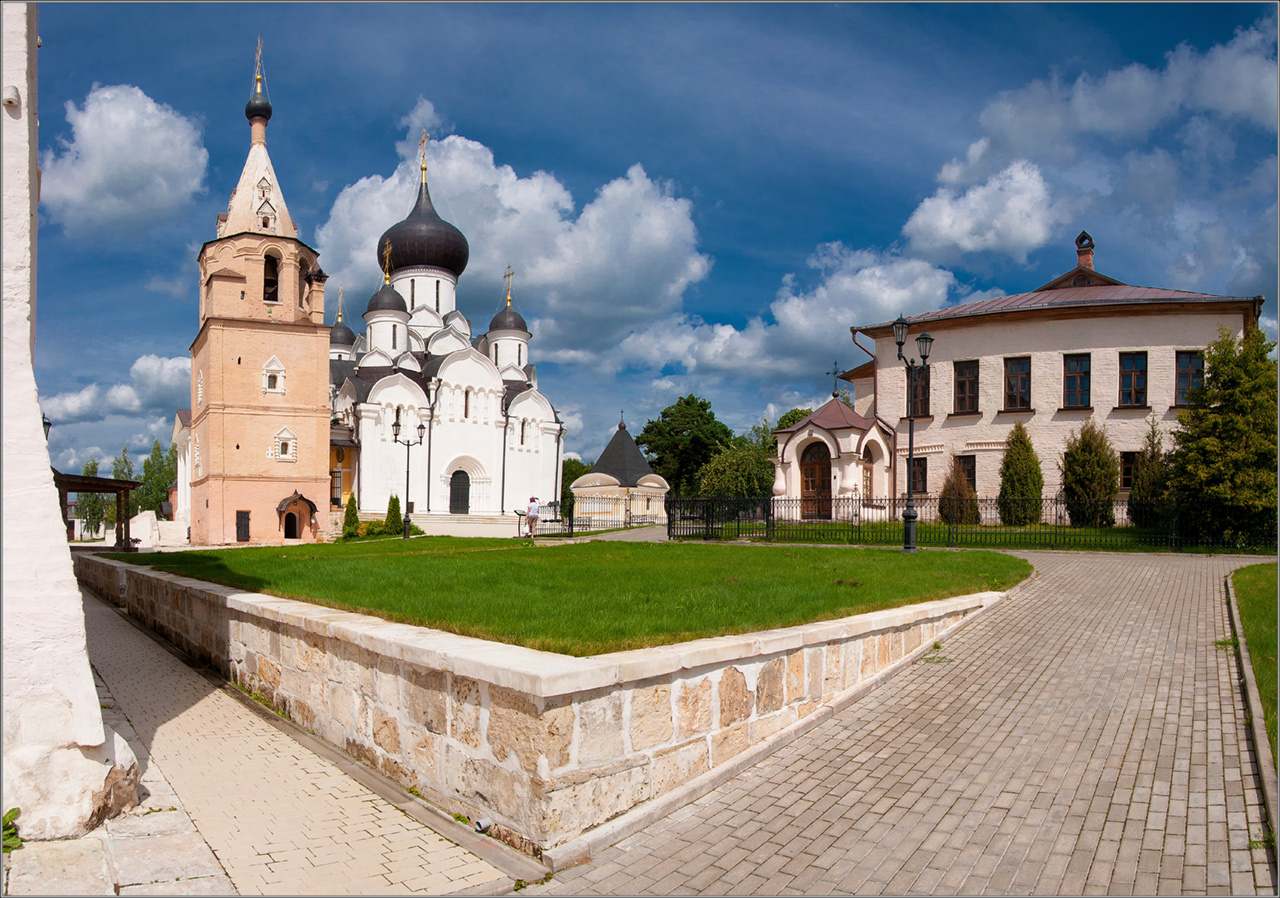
<point x="1043" y="524"/>
<point x="592" y="514"/>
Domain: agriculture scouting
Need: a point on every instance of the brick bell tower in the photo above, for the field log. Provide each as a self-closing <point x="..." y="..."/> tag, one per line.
<point x="259" y="367"/>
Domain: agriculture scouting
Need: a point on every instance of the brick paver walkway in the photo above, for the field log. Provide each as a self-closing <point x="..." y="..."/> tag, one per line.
<point x="280" y="819"/>
<point x="1084" y="737"/>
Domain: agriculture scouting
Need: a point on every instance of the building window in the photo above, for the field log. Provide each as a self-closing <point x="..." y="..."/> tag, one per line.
<point x="969" y="465"/>
<point x="966" y="376"/>
<point x="393" y="336"/>
<point x="1133" y="380"/>
<point x="919" y="380"/>
<point x="413" y="303"/>
<point x="466" y="404"/>
<point x="1017" y="384"/>
<point x="286" y="446"/>
<point x="522" y="433"/>
<point x="519" y="354"/>
<point x="1075" y="381"/>
<point x="273" y="376"/>
<point x="437" y="296"/>
<point x="271" y="280"/>
<point x="200" y="388"/>
<point x="1190" y="375"/>
<point x="1127" y="461"/>
<point x="920" y="475"/>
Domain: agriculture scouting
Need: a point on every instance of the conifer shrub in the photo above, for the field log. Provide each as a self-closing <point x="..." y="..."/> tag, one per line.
<point x="350" y="521"/>
<point x="1090" y="477"/>
<point x="1021" y="480"/>
<point x="958" y="502"/>
<point x="394" y="523"/>
<point x="1148" y="496"/>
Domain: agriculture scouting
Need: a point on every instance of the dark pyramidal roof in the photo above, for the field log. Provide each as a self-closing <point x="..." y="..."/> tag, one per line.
<point x="622" y="459"/>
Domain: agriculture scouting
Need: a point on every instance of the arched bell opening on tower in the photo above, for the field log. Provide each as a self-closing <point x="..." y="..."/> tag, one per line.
<point x="271" y="279"/>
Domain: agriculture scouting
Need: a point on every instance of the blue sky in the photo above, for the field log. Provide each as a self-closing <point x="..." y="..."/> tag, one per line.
<point x="695" y="198"/>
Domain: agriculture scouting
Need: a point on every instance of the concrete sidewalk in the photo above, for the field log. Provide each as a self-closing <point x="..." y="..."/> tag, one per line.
<point x="1087" y="736"/>
<point x="240" y="806"/>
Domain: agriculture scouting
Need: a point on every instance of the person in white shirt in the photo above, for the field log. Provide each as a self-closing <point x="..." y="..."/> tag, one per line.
<point x="531" y="515"/>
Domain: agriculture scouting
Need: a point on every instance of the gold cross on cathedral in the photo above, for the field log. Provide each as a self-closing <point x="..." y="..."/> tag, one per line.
<point x="422" y="153"/>
<point x="386" y="262"/>
<point x="507" y="277"/>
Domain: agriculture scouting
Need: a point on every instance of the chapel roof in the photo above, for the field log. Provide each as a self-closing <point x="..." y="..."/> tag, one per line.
<point x="622" y="459"/>
<point x="834" y="415"/>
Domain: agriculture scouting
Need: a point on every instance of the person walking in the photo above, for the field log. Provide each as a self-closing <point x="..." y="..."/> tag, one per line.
<point x="531" y="515"/>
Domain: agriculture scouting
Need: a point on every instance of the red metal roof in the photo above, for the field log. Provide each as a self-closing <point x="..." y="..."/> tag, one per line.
<point x="1066" y="297"/>
<point x="832" y="416"/>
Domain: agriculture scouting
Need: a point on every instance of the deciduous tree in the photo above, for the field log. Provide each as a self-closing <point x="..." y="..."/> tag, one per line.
<point x="92" y="505"/>
<point x="682" y="440"/>
<point x="570" y="470"/>
<point x="741" y="469"/>
<point x="122" y="469"/>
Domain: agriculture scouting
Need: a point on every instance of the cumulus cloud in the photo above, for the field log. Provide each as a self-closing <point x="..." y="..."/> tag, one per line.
<point x="157" y="387"/>
<point x="854" y="287"/>
<point x="130" y="163"/>
<point x="584" y="279"/>
<point x="1010" y="213"/>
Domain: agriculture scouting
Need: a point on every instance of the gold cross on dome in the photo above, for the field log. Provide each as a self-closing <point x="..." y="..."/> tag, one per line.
<point x="834" y="372"/>
<point x="507" y="277"/>
<point x="339" y="302"/>
<point x="257" y="62"/>
<point x="422" y="151"/>
<point x="386" y="262"/>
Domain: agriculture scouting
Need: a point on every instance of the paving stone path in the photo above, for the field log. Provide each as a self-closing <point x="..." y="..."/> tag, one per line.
<point x="279" y="818"/>
<point x="1084" y="737"/>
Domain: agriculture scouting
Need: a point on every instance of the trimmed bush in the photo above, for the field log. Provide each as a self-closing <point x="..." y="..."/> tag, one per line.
<point x="957" y="503"/>
<point x="1090" y="477"/>
<point x="394" y="523"/>
<point x="350" y="521"/>
<point x="1149" y="493"/>
<point x="1021" y="480"/>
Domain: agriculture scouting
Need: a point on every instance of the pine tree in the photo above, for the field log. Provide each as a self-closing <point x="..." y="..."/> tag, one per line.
<point x="351" y="521"/>
<point x="1223" y="475"/>
<point x="1090" y="476"/>
<point x="958" y="502"/>
<point x="1021" y="480"/>
<point x="394" y="523"/>
<point x="1148" y="497"/>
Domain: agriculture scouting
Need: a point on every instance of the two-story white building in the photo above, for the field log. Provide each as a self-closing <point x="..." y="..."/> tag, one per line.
<point x="1084" y="345"/>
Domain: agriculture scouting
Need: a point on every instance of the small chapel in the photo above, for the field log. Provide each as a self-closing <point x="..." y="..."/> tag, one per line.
<point x="291" y="418"/>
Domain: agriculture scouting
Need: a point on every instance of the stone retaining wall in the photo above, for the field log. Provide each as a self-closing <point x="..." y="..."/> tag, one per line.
<point x="546" y="745"/>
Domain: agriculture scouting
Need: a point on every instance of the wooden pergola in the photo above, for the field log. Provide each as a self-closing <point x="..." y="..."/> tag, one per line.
<point x="79" y="483"/>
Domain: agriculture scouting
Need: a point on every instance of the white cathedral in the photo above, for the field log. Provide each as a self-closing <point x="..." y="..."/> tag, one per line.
<point x="489" y="438"/>
<point x="418" y="408"/>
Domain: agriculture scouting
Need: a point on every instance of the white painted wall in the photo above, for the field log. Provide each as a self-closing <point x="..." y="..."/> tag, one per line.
<point x="937" y="438"/>
<point x="57" y="754"/>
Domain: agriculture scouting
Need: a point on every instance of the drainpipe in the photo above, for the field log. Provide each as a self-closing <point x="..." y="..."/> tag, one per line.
<point x="435" y="397"/>
<point x="502" y="490"/>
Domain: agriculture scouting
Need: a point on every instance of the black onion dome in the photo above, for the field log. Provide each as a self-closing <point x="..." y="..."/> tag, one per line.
<point x="508" y="319"/>
<point x="387" y="300"/>
<point x="341" y="335"/>
<point x="258" y="107"/>
<point x="424" y="238"/>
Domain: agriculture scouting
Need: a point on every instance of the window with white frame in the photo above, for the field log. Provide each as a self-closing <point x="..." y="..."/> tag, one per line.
<point x="273" y="376"/>
<point x="285" y="446"/>
<point x="200" y="388"/>
<point x="195" y="454"/>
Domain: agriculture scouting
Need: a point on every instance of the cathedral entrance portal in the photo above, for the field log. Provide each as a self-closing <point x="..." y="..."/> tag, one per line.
<point x="291" y="526"/>
<point x="460" y="493"/>
<point x="815" y="482"/>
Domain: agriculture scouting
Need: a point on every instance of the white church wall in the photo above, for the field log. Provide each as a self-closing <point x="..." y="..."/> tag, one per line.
<point x="61" y="766"/>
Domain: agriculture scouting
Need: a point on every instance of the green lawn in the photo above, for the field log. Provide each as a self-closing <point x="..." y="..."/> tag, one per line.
<point x="596" y="597"/>
<point x="1256" y="596"/>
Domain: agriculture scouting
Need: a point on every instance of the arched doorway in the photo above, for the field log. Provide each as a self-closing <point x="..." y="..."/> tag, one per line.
<point x="815" y="481"/>
<point x="291" y="526"/>
<point x="459" y="493"/>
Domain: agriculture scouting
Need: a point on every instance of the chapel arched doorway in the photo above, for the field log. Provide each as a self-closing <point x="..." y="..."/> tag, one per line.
<point x="815" y="481"/>
<point x="460" y="493"/>
<point x="291" y="526"/>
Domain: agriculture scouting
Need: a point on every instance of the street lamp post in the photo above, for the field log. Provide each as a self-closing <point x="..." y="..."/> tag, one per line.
<point x="924" y="343"/>
<point x="395" y="433"/>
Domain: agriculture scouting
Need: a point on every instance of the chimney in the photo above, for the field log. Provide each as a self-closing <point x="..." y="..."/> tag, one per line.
<point x="1084" y="251"/>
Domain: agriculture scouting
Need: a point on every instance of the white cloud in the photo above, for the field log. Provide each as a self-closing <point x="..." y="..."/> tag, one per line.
<point x="1011" y="213"/>
<point x="131" y="162"/>
<point x="582" y="281"/>
<point x="158" y="387"/>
